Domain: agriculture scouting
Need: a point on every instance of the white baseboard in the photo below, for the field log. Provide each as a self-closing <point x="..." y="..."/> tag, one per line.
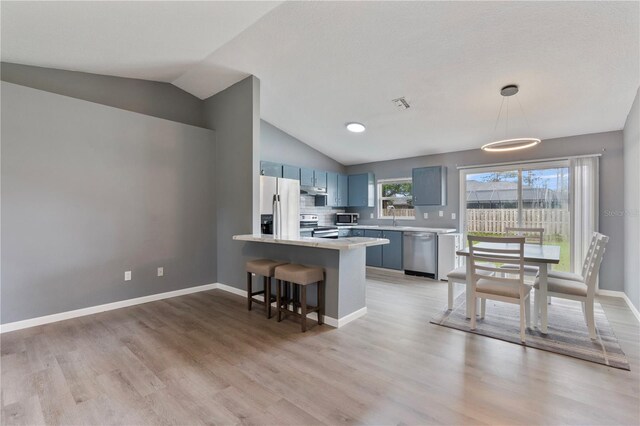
<point x="233" y="290"/>
<point x="351" y="317"/>
<point x="47" y="319"/>
<point x="623" y="295"/>
<point x="333" y="322"/>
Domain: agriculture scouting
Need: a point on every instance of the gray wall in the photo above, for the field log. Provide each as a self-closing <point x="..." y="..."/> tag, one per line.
<point x="611" y="182"/>
<point x="632" y="203"/>
<point x="281" y="147"/>
<point x="153" y="98"/>
<point x="235" y="115"/>
<point x="89" y="191"/>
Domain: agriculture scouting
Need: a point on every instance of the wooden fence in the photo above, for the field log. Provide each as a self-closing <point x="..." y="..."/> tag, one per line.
<point x="494" y="221"/>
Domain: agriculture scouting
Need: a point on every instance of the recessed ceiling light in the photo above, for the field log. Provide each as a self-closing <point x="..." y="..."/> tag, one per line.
<point x="355" y="127"/>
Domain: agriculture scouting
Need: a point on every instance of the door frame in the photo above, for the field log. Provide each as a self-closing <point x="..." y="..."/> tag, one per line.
<point x="519" y="167"/>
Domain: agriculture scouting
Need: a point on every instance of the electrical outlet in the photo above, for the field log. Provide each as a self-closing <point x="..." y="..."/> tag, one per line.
<point x="161" y="271"/>
<point x="440" y="213"/>
<point x="453" y="216"/>
<point x="425" y="215"/>
<point x="127" y="275"/>
<point x="370" y="215"/>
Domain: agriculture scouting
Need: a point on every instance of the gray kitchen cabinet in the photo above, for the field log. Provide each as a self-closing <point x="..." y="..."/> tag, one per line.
<point x="319" y="179"/>
<point x="267" y="168"/>
<point x="357" y="232"/>
<point x="315" y="178"/>
<point x="306" y="177"/>
<point x="290" y="172"/>
<point x="361" y="190"/>
<point x="392" y="252"/>
<point x="344" y="233"/>
<point x="430" y="186"/>
<point x="374" y="254"/>
<point x="343" y="191"/>
<point x="332" y="189"/>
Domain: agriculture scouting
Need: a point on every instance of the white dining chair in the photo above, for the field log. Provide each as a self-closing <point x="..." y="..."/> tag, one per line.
<point x="585" y="264"/>
<point x="580" y="290"/>
<point x="458" y="276"/>
<point x="531" y="236"/>
<point x="505" y="285"/>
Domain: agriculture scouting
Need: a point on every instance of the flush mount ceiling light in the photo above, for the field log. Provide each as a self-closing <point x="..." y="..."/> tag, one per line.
<point x="513" y="144"/>
<point x="355" y="127"/>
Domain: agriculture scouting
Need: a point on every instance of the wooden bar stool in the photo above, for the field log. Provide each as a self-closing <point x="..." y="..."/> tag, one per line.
<point x="299" y="276"/>
<point x="266" y="268"/>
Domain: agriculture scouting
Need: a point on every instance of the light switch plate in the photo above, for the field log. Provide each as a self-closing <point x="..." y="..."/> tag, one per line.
<point x="160" y="271"/>
<point x="426" y="215"/>
<point x="440" y="213"/>
<point x="127" y="275"/>
<point x="453" y="215"/>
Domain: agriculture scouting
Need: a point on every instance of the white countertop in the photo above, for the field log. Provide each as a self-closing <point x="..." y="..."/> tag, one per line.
<point x="325" y="243"/>
<point x="399" y="228"/>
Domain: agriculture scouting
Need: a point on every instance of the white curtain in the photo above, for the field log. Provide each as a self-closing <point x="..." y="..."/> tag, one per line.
<point x="584" y="196"/>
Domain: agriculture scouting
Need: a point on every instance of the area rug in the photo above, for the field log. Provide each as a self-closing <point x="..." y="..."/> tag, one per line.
<point x="567" y="331"/>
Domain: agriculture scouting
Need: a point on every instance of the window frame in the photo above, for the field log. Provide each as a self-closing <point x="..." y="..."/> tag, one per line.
<point x="519" y="167"/>
<point x="379" y="210"/>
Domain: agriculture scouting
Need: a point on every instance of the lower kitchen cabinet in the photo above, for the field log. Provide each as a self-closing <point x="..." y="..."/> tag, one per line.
<point x="344" y="233"/>
<point x="374" y="254"/>
<point x="392" y="252"/>
<point x="357" y="232"/>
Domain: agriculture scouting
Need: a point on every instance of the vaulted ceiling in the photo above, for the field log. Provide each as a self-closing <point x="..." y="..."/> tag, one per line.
<point x="322" y="64"/>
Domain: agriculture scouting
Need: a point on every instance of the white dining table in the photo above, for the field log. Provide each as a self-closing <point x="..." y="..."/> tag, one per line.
<point x="542" y="256"/>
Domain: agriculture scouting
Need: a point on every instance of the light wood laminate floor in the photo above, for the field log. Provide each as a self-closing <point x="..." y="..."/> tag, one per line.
<point x="203" y="359"/>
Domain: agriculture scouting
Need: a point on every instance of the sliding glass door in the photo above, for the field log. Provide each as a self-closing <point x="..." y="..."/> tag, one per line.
<point x="529" y="195"/>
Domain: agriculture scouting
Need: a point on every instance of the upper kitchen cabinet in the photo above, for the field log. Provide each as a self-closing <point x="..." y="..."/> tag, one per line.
<point x="319" y="179"/>
<point x="332" y="189"/>
<point x="306" y="177"/>
<point x="315" y="178"/>
<point x="343" y="191"/>
<point x="291" y="172"/>
<point x="268" y="168"/>
<point x="362" y="190"/>
<point x="430" y="186"/>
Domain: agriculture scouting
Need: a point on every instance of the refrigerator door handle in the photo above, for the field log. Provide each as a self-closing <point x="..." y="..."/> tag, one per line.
<point x="276" y="216"/>
<point x="279" y="217"/>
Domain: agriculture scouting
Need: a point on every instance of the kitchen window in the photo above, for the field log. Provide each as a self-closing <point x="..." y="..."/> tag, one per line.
<point x="395" y="195"/>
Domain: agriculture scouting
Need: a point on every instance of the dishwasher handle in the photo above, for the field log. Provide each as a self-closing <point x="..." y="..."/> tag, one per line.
<point x="423" y="235"/>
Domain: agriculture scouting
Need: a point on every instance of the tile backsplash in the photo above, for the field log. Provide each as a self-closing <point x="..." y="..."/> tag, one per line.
<point x="326" y="215"/>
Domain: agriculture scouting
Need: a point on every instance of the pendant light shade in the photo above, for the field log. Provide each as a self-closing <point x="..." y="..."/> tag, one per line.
<point x="506" y="144"/>
<point x="510" y="144"/>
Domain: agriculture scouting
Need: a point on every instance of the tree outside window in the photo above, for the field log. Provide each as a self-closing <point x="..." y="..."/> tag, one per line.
<point x="396" y="193"/>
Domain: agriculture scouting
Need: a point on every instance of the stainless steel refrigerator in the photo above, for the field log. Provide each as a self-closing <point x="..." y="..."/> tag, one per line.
<point x="281" y="198"/>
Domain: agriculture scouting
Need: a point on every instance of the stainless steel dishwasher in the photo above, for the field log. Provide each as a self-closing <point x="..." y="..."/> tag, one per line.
<point x="420" y="253"/>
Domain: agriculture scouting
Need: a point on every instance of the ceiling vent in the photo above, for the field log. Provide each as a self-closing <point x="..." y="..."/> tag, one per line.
<point x="401" y="103"/>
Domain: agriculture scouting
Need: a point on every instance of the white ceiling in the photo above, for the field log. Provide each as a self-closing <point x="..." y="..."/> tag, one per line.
<point x="151" y="40"/>
<point x="322" y="64"/>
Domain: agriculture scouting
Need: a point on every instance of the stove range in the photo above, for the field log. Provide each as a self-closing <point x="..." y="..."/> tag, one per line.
<point x="309" y="227"/>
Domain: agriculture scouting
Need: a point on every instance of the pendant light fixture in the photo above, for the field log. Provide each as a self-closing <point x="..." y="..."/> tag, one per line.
<point x="513" y="144"/>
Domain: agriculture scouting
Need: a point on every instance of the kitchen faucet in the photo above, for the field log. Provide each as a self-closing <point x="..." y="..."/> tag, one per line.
<point x="393" y="212"/>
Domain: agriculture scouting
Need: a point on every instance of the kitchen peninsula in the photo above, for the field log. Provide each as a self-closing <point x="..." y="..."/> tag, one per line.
<point x="343" y="260"/>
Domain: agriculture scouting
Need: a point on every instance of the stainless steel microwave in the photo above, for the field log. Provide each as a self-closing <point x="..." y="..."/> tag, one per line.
<point x="347" y="218"/>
